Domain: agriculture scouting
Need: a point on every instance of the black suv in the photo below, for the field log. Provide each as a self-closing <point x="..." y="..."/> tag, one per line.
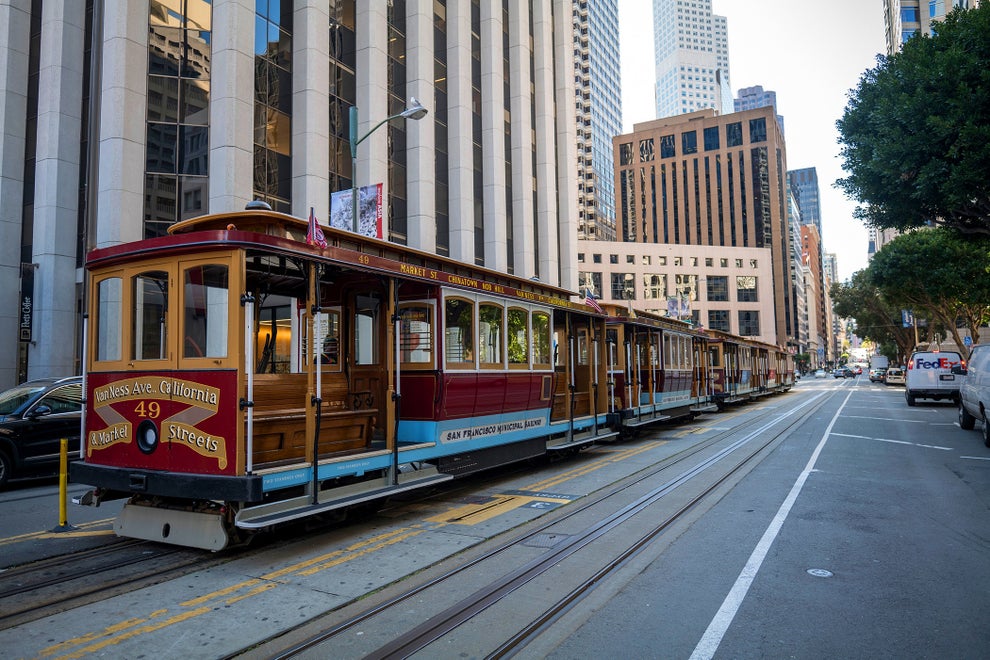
<point x="34" y="417"/>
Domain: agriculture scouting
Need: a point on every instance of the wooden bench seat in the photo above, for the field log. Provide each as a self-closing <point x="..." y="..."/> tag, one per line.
<point x="280" y="420"/>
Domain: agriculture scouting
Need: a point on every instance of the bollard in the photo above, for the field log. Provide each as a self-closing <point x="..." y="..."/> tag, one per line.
<point x="63" y="488"/>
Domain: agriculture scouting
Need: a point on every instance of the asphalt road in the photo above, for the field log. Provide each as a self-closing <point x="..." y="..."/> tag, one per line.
<point x="881" y="553"/>
<point x="863" y="534"/>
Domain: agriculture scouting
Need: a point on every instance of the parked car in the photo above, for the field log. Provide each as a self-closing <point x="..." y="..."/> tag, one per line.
<point x="894" y="376"/>
<point x="929" y="376"/>
<point x="974" y="390"/>
<point x="821" y="373"/>
<point x="34" y="417"/>
<point x="876" y="375"/>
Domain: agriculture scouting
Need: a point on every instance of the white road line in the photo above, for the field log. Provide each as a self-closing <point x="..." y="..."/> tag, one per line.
<point x="894" y="442"/>
<point x="977" y="458"/>
<point x="726" y="613"/>
<point x="887" y="419"/>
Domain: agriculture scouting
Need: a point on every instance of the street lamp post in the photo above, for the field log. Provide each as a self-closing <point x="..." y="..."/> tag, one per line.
<point x="414" y="110"/>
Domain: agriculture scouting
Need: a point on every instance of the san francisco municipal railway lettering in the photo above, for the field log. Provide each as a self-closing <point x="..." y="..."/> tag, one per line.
<point x="492" y="429"/>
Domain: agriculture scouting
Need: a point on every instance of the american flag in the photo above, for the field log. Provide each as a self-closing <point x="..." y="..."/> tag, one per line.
<point x="589" y="299"/>
<point x="314" y="235"/>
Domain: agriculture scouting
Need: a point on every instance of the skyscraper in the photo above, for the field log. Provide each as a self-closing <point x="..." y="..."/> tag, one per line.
<point x="749" y="98"/>
<point x="804" y="184"/>
<point x="716" y="181"/>
<point x="692" y="57"/>
<point x="599" y="113"/>
<point x="146" y="112"/>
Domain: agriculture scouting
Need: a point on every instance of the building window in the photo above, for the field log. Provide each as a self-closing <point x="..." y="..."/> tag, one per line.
<point x="273" y="103"/>
<point x="678" y="261"/>
<point x="718" y="288"/>
<point x="739" y="263"/>
<point x="718" y="319"/>
<point x="749" y="323"/>
<point x="596" y="258"/>
<point x="758" y="130"/>
<point x="630" y="259"/>
<point x="686" y="286"/>
<point x="590" y="283"/>
<point x="654" y="287"/>
<point x="667" y="149"/>
<point x="711" y="139"/>
<point x="733" y="134"/>
<point x="661" y="261"/>
<point x="746" y="289"/>
<point x="753" y="263"/>
<point x="613" y="258"/>
<point x="646" y="150"/>
<point x="177" y="120"/>
<point x="626" y="153"/>
<point x="723" y="262"/>
<point x="689" y="142"/>
<point x="646" y="260"/>
<point x="623" y="286"/>
<point x="709" y="262"/>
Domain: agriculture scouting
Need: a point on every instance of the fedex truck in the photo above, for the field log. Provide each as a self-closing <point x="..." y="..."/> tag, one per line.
<point x="929" y="376"/>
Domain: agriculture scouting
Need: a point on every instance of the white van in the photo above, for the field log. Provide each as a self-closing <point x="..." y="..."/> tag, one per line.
<point x="974" y="390"/>
<point x="929" y="376"/>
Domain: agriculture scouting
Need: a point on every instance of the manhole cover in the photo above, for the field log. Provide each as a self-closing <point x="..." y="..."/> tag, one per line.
<point x="819" y="572"/>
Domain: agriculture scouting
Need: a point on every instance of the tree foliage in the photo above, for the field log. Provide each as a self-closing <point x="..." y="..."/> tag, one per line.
<point x="939" y="275"/>
<point x="876" y="318"/>
<point x="915" y="135"/>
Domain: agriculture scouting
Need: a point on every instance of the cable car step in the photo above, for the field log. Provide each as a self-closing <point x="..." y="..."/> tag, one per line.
<point x="705" y="408"/>
<point x="581" y="439"/>
<point x="634" y="423"/>
<point x="298" y="508"/>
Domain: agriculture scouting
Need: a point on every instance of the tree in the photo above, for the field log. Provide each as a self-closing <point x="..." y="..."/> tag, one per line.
<point x="938" y="272"/>
<point x="876" y="318"/>
<point x="915" y="135"/>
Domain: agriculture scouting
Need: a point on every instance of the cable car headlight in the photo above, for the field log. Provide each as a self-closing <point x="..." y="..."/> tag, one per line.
<point x="147" y="436"/>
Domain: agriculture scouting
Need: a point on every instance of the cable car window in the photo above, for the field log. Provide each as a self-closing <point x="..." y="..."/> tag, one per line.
<point x="109" y="306"/>
<point x="582" y="346"/>
<point x="150" y="291"/>
<point x="365" y="330"/>
<point x="459" y="333"/>
<point x="542" y="357"/>
<point x="490" y="322"/>
<point x="273" y="334"/>
<point x="329" y="332"/>
<point x="205" y="324"/>
<point x="518" y="336"/>
<point x="416" y="335"/>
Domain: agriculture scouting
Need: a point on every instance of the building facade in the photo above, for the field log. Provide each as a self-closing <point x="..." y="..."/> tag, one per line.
<point x="705" y="179"/>
<point x="691" y="47"/>
<point x="750" y="98"/>
<point x="724" y="288"/>
<point x="121" y="117"/>
<point x="905" y="18"/>
<point x="598" y="106"/>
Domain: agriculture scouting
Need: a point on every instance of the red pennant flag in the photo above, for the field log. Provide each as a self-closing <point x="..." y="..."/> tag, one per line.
<point x="314" y="235"/>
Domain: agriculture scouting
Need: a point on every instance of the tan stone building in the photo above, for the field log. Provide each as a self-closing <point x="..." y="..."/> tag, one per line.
<point x="712" y="181"/>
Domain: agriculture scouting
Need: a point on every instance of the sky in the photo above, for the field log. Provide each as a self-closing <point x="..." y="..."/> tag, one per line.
<point x="811" y="54"/>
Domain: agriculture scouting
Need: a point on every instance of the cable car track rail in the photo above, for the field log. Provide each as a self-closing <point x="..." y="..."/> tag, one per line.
<point x="448" y="620"/>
